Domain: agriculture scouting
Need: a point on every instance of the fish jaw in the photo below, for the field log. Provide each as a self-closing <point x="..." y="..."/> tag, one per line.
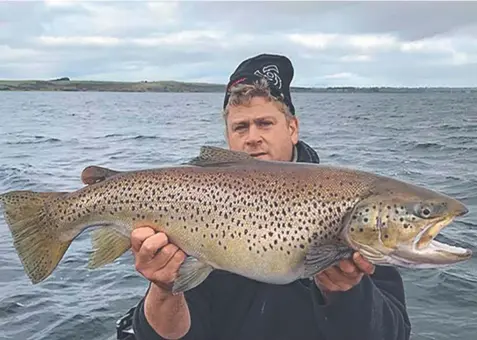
<point x="435" y="255"/>
<point x="427" y="235"/>
<point x="426" y="252"/>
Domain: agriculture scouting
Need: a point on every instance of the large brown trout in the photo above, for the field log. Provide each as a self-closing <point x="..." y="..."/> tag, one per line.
<point x="274" y="222"/>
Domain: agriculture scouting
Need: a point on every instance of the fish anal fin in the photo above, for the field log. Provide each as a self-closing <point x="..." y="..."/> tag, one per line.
<point x="321" y="257"/>
<point x="108" y="245"/>
<point x="94" y="174"/>
<point x="192" y="273"/>
<point x="215" y="156"/>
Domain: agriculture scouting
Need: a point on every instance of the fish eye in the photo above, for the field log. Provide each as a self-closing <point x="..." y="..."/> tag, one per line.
<point x="423" y="211"/>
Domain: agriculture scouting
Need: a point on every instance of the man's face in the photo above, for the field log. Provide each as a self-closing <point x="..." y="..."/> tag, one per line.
<point x="261" y="130"/>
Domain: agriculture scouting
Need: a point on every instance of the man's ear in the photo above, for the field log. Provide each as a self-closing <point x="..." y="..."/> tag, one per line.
<point x="293" y="127"/>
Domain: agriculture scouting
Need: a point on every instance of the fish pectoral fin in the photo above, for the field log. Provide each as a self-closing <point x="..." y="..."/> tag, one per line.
<point x="192" y="273"/>
<point x="321" y="257"/>
<point x="94" y="174"/>
<point x="108" y="245"/>
<point x="215" y="156"/>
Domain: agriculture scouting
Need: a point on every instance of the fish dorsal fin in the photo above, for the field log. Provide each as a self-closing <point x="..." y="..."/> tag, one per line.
<point x="214" y="156"/>
<point x="94" y="174"/>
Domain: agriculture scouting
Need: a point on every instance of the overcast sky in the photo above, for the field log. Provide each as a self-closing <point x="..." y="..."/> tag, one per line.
<point x="330" y="43"/>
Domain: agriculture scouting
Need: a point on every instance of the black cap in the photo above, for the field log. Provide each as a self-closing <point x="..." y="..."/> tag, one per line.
<point x="276" y="69"/>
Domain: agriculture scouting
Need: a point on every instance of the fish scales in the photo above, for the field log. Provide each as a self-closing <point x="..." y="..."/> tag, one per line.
<point x="270" y="221"/>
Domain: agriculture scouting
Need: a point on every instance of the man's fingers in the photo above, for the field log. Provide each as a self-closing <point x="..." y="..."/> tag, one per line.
<point x="177" y="260"/>
<point x="150" y="247"/>
<point x="162" y="259"/>
<point x="324" y="282"/>
<point x="363" y="264"/>
<point x="349" y="268"/>
<point x="174" y="263"/>
<point x="155" y="258"/>
<point x="340" y="279"/>
<point x="139" y="235"/>
<point x="168" y="273"/>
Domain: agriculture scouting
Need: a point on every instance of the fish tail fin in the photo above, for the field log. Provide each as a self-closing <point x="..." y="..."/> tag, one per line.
<point x="35" y="233"/>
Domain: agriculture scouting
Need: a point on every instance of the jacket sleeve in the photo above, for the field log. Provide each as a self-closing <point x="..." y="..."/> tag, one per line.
<point x="374" y="309"/>
<point x="198" y="303"/>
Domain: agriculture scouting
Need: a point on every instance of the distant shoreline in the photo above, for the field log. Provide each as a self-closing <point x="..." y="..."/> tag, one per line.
<point x="66" y="85"/>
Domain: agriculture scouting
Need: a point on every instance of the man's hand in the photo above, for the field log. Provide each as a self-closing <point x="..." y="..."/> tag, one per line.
<point x="155" y="258"/>
<point x="345" y="275"/>
<point x="159" y="261"/>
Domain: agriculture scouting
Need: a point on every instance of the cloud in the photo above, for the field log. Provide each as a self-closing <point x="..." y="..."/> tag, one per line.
<point x="330" y="43"/>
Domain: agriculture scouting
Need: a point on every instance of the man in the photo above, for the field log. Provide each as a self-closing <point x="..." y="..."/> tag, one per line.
<point x="353" y="300"/>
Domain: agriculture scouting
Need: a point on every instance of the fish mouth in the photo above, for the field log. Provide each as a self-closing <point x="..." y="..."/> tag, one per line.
<point x="435" y="255"/>
<point x="426" y="252"/>
<point x="428" y="234"/>
<point x="459" y="252"/>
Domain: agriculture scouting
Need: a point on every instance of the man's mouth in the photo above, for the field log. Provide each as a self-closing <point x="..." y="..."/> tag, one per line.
<point x="258" y="154"/>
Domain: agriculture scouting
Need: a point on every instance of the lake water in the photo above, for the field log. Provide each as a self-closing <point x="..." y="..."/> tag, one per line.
<point x="46" y="139"/>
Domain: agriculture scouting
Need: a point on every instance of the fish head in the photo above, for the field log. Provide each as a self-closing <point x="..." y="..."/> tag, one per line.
<point x="396" y="224"/>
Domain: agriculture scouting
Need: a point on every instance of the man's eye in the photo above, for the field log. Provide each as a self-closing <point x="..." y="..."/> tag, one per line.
<point x="239" y="127"/>
<point x="265" y="123"/>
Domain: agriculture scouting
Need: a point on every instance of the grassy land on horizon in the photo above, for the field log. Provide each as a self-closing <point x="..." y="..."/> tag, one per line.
<point x="65" y="84"/>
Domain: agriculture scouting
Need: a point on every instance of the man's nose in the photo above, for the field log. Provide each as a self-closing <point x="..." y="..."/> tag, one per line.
<point x="253" y="136"/>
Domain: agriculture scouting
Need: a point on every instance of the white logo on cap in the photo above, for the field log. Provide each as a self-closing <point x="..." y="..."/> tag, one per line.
<point x="271" y="73"/>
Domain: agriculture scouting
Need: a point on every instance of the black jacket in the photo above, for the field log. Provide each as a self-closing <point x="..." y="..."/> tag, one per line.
<point x="230" y="307"/>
